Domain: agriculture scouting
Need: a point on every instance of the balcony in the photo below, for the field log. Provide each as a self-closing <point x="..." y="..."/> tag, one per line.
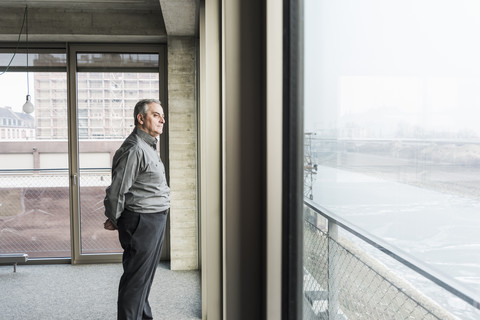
<point x="350" y="274"/>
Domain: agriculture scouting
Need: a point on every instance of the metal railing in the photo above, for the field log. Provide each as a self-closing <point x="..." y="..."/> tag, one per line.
<point x="343" y="281"/>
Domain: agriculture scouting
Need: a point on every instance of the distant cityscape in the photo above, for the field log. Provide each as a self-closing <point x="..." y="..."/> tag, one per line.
<point x="105" y="106"/>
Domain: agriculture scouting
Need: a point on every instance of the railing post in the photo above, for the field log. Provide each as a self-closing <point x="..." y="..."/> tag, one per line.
<point x="332" y="270"/>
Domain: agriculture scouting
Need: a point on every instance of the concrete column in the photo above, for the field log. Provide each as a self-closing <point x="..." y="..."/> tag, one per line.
<point x="182" y="123"/>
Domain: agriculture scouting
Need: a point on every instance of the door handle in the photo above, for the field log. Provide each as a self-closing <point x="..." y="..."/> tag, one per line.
<point x="75" y="177"/>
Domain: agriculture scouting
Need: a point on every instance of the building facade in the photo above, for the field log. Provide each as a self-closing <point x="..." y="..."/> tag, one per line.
<point x="16" y="125"/>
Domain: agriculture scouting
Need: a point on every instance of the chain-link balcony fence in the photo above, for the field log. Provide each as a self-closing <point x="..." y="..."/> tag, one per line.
<point x="342" y="281"/>
<point x="94" y="239"/>
<point x="35" y="213"/>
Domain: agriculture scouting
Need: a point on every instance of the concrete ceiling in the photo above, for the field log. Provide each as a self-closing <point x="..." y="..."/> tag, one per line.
<point x="103" y="5"/>
<point x="100" y="20"/>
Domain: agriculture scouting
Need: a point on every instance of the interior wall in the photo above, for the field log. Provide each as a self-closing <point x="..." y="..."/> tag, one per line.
<point x="244" y="158"/>
<point x="54" y="25"/>
<point x="210" y="167"/>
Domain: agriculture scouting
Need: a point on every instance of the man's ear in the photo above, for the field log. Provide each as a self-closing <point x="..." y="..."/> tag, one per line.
<point x="140" y="118"/>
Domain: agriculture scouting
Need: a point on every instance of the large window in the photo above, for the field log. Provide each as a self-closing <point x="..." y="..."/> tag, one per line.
<point x="34" y="184"/>
<point x="392" y="144"/>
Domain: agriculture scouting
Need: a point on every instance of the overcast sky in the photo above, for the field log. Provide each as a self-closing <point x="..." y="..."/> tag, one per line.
<point x="420" y="59"/>
<point x="13" y="89"/>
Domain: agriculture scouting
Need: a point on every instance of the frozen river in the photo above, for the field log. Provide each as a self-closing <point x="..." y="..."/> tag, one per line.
<point x="441" y="230"/>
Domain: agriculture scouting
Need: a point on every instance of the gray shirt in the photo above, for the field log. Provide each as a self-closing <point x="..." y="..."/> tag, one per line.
<point x="138" y="178"/>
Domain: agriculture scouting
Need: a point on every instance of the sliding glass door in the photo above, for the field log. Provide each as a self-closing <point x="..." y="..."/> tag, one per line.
<point x="55" y="162"/>
<point x="108" y="83"/>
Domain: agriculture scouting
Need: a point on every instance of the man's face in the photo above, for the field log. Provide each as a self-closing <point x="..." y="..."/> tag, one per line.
<point x="152" y="123"/>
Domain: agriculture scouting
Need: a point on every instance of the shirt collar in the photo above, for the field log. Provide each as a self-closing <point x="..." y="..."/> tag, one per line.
<point x="146" y="137"/>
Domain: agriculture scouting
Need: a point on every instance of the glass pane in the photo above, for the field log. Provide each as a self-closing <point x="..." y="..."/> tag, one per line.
<point x="34" y="191"/>
<point x="392" y="143"/>
<point x="117" y="60"/>
<point x="105" y="119"/>
<point x="34" y="60"/>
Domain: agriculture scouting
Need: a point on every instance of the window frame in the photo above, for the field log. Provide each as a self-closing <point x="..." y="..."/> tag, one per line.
<point x="292" y="166"/>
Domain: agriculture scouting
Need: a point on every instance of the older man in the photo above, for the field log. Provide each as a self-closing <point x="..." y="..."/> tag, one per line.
<point x="137" y="203"/>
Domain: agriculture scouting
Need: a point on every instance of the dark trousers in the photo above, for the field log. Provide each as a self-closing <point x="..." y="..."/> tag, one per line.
<point x="141" y="236"/>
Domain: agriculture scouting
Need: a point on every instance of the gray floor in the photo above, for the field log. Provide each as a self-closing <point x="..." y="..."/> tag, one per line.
<point x="89" y="292"/>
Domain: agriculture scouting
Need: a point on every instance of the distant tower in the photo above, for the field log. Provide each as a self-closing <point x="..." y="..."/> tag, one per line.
<point x="309" y="168"/>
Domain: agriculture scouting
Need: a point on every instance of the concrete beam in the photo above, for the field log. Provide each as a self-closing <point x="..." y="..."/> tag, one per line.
<point x="48" y="24"/>
<point x="98" y="5"/>
<point x="180" y="16"/>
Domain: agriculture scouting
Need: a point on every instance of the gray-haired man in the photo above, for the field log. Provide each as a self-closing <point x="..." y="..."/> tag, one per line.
<point x="137" y="203"/>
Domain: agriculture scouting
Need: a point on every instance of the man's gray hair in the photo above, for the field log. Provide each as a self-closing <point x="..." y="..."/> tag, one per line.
<point x="142" y="107"/>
